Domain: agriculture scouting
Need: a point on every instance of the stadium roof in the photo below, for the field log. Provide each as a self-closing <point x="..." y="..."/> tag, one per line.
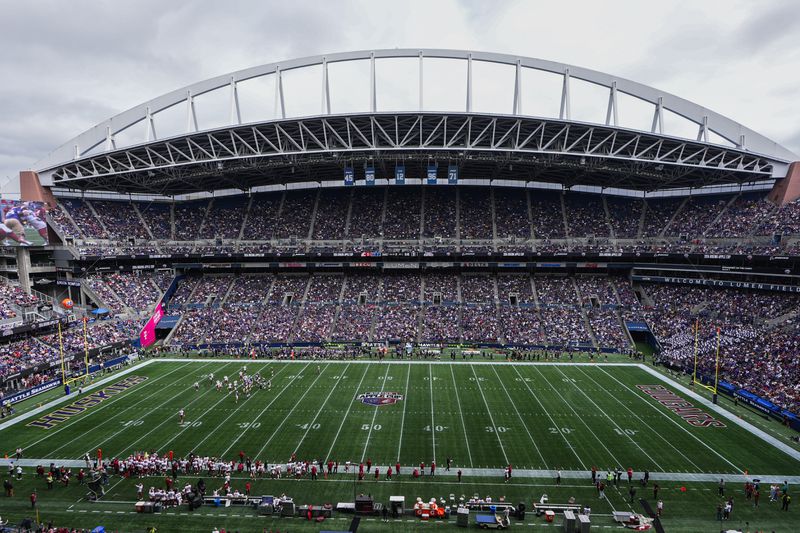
<point x="160" y="147"/>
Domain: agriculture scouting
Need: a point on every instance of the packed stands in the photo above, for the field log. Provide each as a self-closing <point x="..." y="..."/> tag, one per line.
<point x="439" y="220"/>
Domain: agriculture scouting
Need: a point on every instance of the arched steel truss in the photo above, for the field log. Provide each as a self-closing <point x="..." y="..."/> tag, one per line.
<point x="93" y="161"/>
<point x="483" y="146"/>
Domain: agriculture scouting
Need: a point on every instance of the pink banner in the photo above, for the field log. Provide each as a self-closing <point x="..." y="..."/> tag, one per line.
<point x="148" y="334"/>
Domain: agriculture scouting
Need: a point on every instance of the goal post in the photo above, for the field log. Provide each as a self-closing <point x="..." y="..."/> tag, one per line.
<point x="66" y="379"/>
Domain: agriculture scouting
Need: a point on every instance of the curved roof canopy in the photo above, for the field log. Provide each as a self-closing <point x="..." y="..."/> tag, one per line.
<point x="256" y="126"/>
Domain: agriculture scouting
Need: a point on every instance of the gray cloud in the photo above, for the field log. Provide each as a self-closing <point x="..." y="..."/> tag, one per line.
<point x="70" y="65"/>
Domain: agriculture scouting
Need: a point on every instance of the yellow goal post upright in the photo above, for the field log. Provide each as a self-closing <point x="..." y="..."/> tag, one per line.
<point x="716" y="364"/>
<point x="65" y="379"/>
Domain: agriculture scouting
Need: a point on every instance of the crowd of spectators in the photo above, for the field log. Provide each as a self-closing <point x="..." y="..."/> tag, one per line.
<point x="480" y="323"/>
<point x="441" y="323"/>
<point x="452" y="307"/>
<point x="585" y="215"/>
<point x="511" y="213"/>
<point x="701" y="224"/>
<point x="475" y="205"/>
<point x="477" y="288"/>
<point x="137" y="290"/>
<point x="316" y="322"/>
<point x="625" y="215"/>
<point x="294" y="219"/>
<point x="441" y="286"/>
<point x="261" y="218"/>
<point x="555" y="290"/>
<point x="440" y="212"/>
<point x="397" y="322"/>
<point x="547" y="215"/>
<point x="59" y="217"/>
<point x="402" y="220"/>
<point x="366" y="216"/>
<point x="189" y="217"/>
<point x="225" y="217"/>
<point x="754" y="353"/>
<point x="121" y="220"/>
<point x="331" y="218"/>
<point x="12" y="296"/>
<point x="158" y="217"/>
<point x="87" y="223"/>
<point x="354" y="322"/>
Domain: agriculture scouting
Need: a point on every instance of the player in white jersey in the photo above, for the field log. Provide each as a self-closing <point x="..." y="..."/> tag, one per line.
<point x="182" y="415"/>
<point x="196" y="386"/>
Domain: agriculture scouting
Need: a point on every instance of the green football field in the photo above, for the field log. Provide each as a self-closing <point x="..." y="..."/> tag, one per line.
<point x="540" y="418"/>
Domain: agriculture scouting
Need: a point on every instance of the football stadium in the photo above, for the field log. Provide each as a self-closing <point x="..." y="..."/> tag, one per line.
<point x="228" y="309"/>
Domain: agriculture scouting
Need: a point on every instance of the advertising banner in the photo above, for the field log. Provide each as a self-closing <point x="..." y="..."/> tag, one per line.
<point x="148" y="334"/>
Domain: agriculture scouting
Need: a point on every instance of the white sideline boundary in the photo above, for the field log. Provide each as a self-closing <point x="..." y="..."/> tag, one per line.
<point x="791" y="452"/>
<point x="584" y="475"/>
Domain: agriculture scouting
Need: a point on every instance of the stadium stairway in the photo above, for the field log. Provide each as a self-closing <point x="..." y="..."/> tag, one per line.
<point x="674" y="216"/>
<point x="144" y="223"/>
<point x="97" y="217"/>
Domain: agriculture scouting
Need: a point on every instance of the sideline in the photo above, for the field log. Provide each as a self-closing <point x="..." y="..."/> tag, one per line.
<point x="585" y="475"/>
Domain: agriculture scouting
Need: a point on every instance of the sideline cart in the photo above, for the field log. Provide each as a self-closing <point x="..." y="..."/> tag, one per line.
<point x="490" y="521"/>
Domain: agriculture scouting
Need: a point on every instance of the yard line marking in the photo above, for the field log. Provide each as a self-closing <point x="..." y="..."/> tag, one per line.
<point x="100" y="408"/>
<point x="489" y="415"/>
<point x="403" y="419"/>
<point x="235" y="411"/>
<point x="124" y="427"/>
<point x="433" y="425"/>
<point x="545" y="411"/>
<point x="321" y="407"/>
<point x="261" y="413"/>
<point x="574" y="412"/>
<point x="654" y="406"/>
<point x="374" y="414"/>
<point x="611" y="420"/>
<point x="289" y="414"/>
<point x="122" y="453"/>
<point x="52" y="452"/>
<point x="341" y="424"/>
<point x="463" y="425"/>
<point x="25" y="414"/>
<point x="514" y="405"/>
<point x="649" y="427"/>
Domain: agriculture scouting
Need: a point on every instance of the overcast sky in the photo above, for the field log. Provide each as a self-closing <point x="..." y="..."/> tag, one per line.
<point x="69" y="65"/>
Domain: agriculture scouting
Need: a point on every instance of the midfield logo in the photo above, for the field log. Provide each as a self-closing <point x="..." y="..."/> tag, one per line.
<point x="380" y="398"/>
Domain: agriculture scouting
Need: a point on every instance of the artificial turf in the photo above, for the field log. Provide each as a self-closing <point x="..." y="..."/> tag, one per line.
<point x="538" y="417"/>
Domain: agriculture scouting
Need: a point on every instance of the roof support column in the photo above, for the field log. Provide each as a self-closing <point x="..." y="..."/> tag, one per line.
<point x="235" y="114"/>
<point x="279" y="94"/>
<point x="149" y="126"/>
<point x="373" y="104"/>
<point x="517" y="106"/>
<point x="564" y="112"/>
<point x="658" y="117"/>
<point x="420" y="81"/>
<point x="469" y="83"/>
<point x="326" y="89"/>
<point x="191" y="114"/>
<point x="611" y="112"/>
